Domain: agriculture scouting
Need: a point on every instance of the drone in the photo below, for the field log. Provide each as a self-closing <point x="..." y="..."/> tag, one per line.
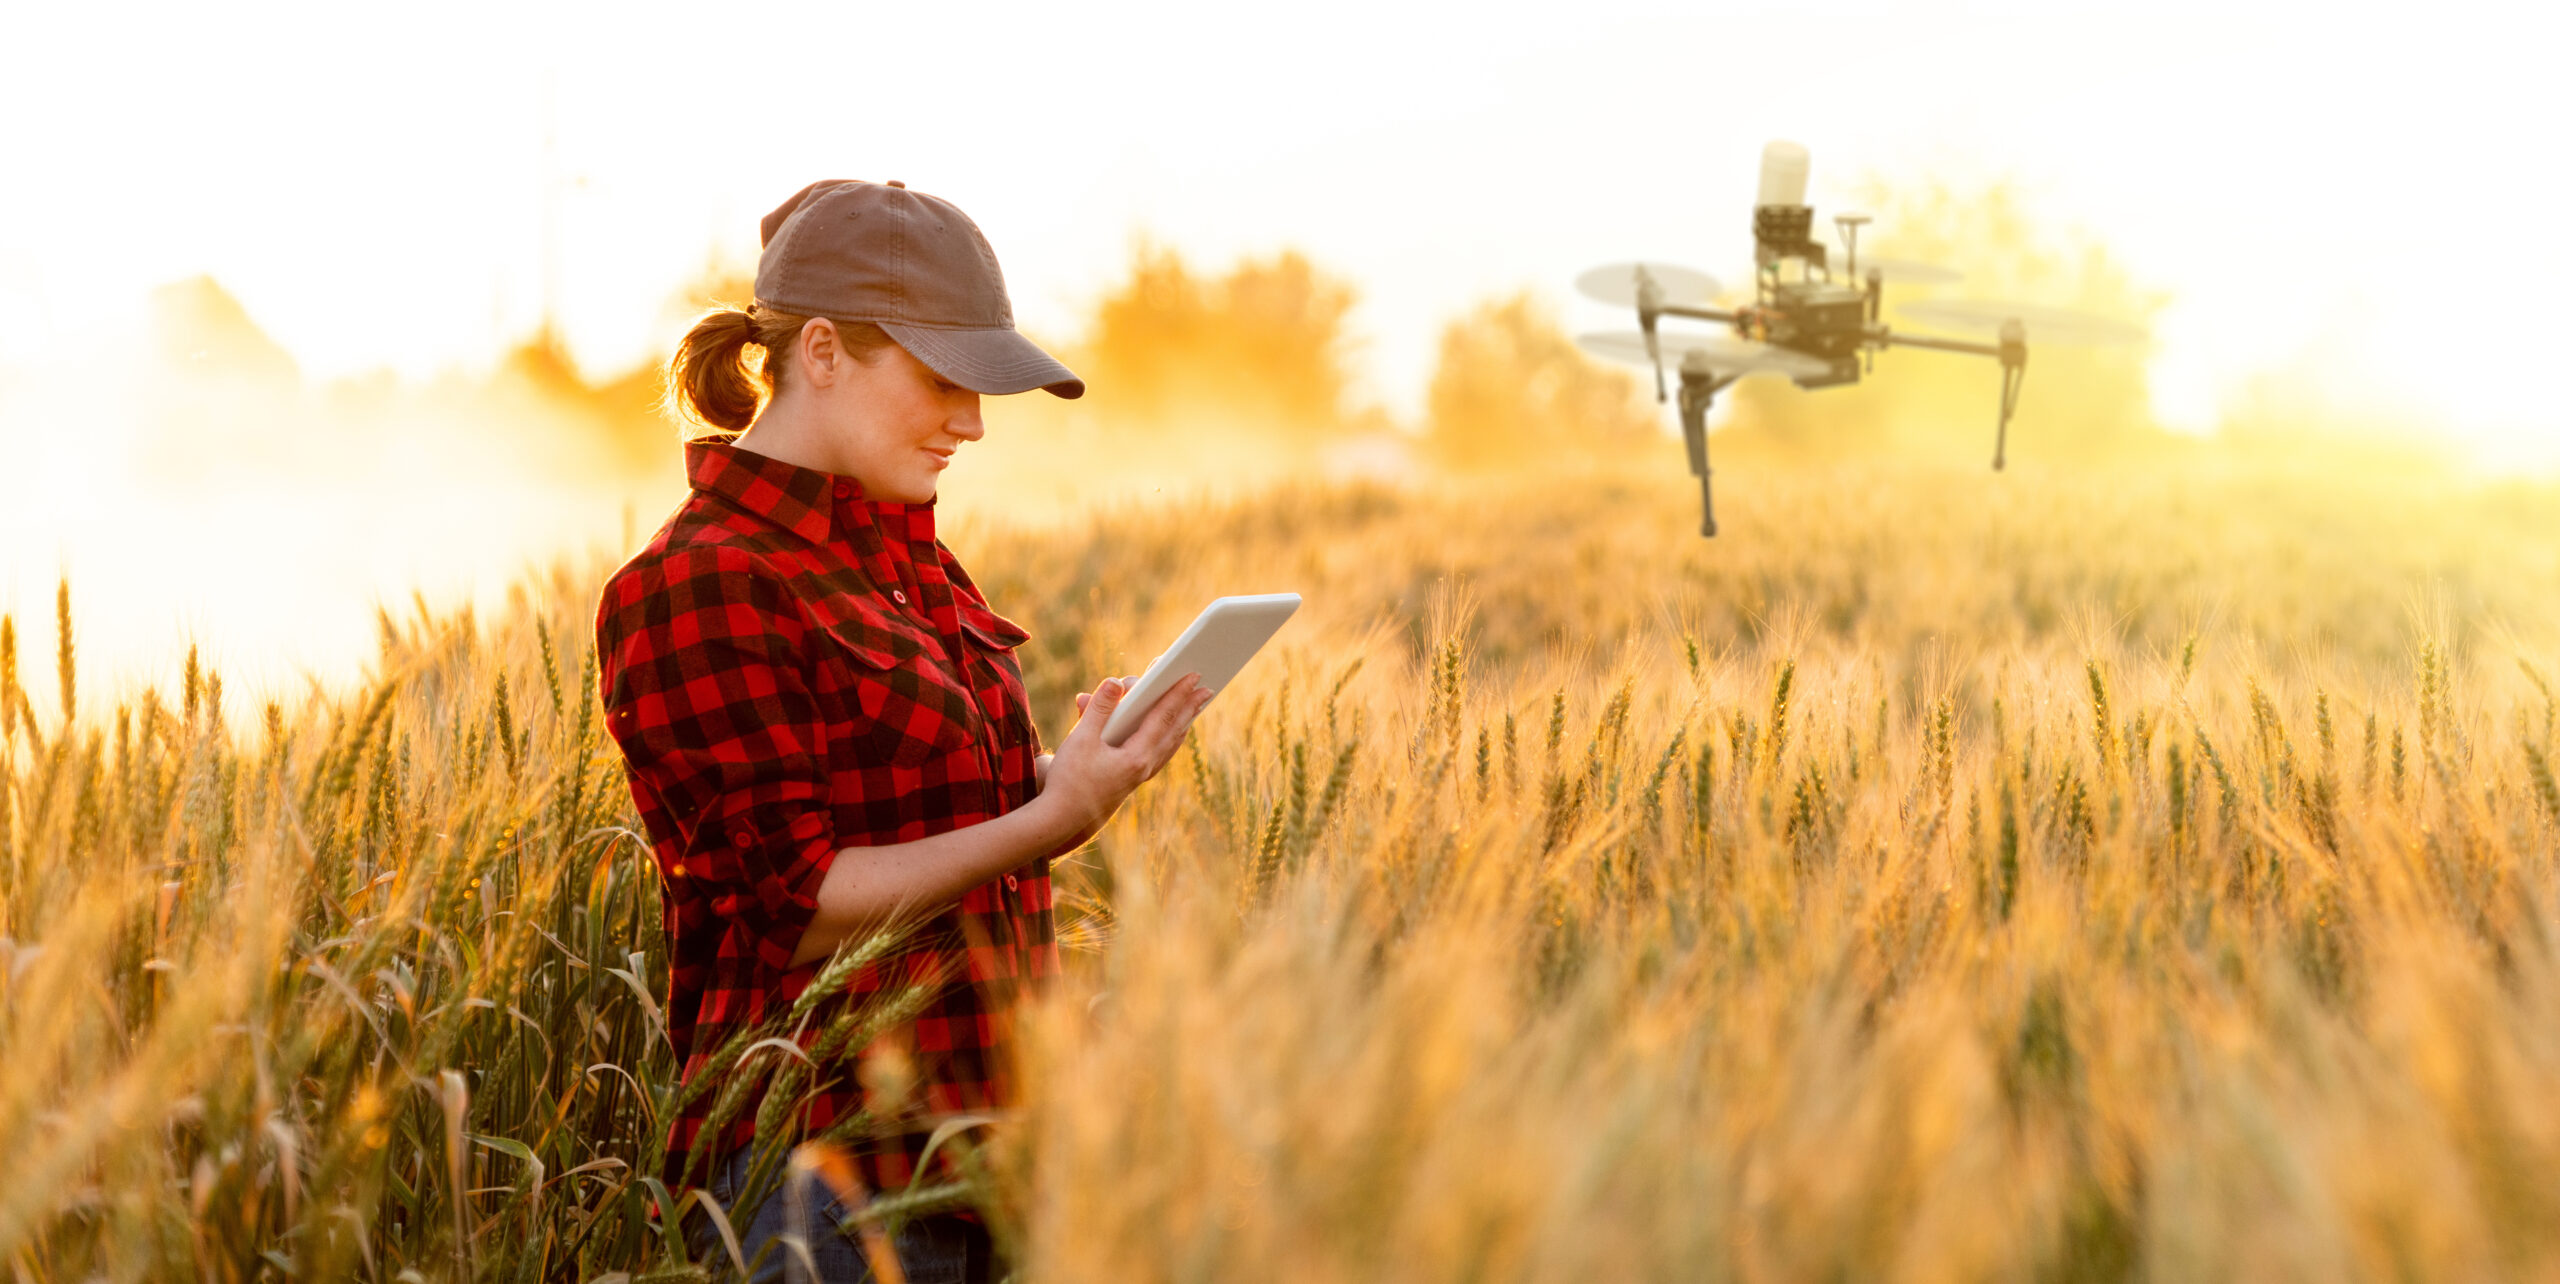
<point x="1808" y="322"/>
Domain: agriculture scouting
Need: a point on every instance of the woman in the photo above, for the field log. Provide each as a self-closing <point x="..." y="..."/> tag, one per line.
<point x="824" y="722"/>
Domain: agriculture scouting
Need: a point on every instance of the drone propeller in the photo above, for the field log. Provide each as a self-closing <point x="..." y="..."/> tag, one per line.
<point x="2061" y="326"/>
<point x="1725" y="354"/>
<point x="1617" y="283"/>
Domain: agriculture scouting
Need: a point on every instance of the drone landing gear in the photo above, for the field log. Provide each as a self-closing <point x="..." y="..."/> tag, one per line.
<point x="1698" y="389"/>
<point x="2013" y="375"/>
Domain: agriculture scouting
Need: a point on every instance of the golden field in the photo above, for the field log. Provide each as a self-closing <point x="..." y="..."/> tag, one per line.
<point x="2137" y="866"/>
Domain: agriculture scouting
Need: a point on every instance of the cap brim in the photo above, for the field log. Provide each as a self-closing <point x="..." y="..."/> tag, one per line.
<point x="994" y="362"/>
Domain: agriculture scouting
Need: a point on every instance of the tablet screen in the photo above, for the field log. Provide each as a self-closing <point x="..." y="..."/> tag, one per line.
<point x="1225" y="635"/>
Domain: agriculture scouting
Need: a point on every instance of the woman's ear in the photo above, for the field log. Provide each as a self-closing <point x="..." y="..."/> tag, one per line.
<point x="821" y="353"/>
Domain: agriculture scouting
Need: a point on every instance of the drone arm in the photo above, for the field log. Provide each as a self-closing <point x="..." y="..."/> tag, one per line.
<point x="1697" y="314"/>
<point x="1653" y="352"/>
<point x="1881" y="335"/>
<point x="1646" y="316"/>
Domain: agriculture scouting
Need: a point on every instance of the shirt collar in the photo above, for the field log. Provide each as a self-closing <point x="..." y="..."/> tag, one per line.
<point x="800" y="500"/>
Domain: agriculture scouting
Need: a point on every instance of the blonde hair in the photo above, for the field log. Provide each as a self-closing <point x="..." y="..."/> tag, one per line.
<point x="710" y="380"/>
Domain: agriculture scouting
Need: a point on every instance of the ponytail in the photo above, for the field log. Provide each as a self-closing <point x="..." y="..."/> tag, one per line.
<point x="710" y="381"/>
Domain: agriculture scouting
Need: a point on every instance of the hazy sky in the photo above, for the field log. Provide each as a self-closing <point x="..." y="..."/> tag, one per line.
<point x="2310" y="185"/>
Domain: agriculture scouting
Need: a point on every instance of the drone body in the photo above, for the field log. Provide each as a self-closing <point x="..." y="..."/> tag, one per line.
<point x="1817" y="330"/>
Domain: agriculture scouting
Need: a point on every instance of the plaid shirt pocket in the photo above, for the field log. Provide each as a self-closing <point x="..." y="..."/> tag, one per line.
<point x="911" y="713"/>
<point x="989" y="629"/>
<point x="995" y="638"/>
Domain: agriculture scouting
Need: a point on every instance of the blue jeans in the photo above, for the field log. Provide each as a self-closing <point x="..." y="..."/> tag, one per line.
<point x="800" y="1221"/>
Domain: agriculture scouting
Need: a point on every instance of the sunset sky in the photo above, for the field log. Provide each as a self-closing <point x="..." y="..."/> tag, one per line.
<point x="2347" y="204"/>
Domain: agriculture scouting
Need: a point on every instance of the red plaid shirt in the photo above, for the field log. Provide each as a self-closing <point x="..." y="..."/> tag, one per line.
<point x="792" y="669"/>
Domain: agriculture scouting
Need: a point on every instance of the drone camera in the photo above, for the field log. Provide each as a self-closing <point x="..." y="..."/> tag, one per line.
<point x="1843" y="371"/>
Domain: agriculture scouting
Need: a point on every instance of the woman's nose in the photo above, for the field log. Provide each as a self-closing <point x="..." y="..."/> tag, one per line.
<point x="966" y="423"/>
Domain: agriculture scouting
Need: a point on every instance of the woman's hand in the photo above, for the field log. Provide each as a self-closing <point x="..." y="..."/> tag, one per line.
<point x="1040" y="765"/>
<point x="1087" y="780"/>
<point x="1084" y="782"/>
<point x="1125" y="684"/>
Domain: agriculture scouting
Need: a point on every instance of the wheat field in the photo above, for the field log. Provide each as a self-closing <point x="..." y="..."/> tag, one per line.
<point x="2131" y="867"/>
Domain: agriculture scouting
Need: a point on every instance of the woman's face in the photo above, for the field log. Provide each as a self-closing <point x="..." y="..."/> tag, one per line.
<point x="892" y="421"/>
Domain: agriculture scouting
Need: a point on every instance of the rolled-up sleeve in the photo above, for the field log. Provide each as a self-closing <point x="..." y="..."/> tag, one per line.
<point x="708" y="697"/>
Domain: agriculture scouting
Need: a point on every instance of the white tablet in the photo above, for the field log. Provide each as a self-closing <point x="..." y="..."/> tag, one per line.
<point x="1226" y="634"/>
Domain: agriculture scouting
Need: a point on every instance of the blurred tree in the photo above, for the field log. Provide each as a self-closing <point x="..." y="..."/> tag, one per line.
<point x="722" y="282"/>
<point x="613" y="425"/>
<point x="217" y="390"/>
<point x="1266" y="343"/>
<point x="1511" y="388"/>
<point x="202" y="333"/>
<point x="619" y="424"/>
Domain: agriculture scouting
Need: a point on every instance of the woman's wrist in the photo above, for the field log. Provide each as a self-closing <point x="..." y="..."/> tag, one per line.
<point x="866" y="887"/>
<point x="1060" y="824"/>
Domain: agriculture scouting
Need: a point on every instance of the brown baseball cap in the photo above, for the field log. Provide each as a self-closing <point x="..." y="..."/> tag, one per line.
<point x="915" y="266"/>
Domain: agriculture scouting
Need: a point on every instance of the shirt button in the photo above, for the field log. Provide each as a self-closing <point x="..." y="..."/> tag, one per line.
<point x="844" y="490"/>
<point x="1012" y="883"/>
<point x="900" y="595"/>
